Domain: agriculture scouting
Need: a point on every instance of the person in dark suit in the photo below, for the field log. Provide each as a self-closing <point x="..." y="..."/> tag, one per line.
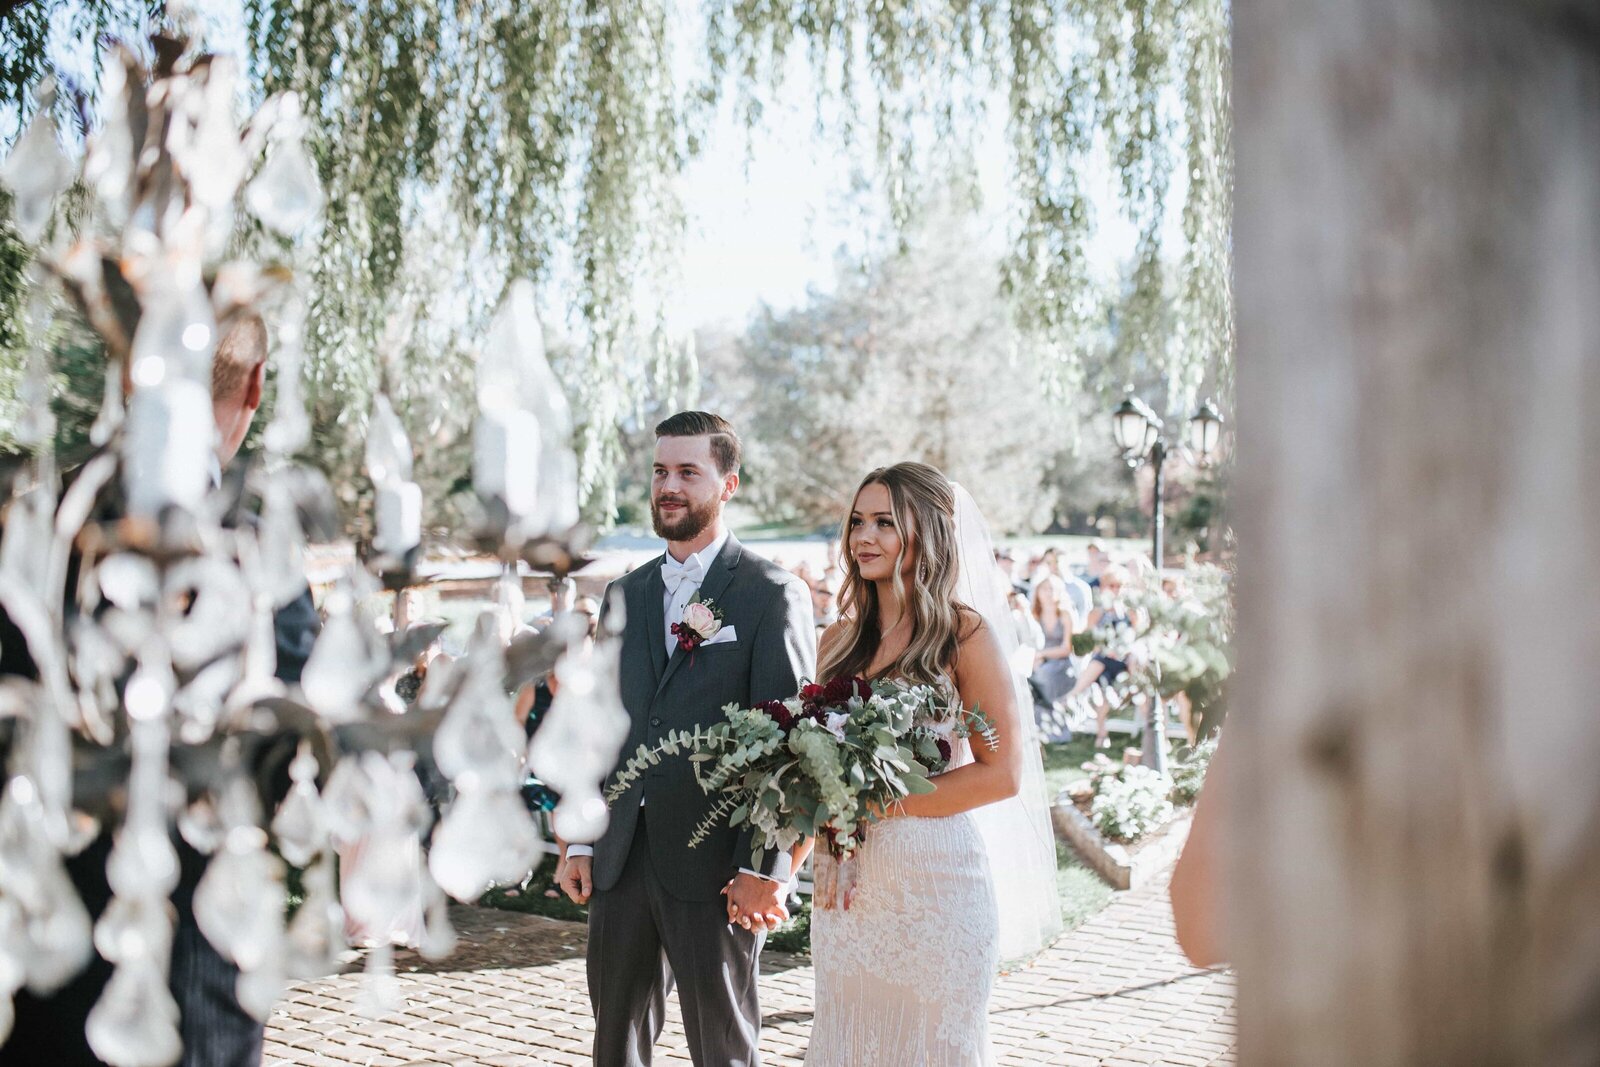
<point x="216" y="1031"/>
<point x="661" y="913"/>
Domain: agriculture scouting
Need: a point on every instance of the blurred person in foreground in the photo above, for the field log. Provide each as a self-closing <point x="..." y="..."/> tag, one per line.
<point x="216" y="1030"/>
<point x="1196" y="899"/>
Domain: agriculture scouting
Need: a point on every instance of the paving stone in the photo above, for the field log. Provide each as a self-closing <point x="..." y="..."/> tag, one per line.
<point x="1114" y="991"/>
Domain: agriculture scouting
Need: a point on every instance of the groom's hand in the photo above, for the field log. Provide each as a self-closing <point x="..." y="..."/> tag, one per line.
<point x="756" y="903"/>
<point x="577" y="878"/>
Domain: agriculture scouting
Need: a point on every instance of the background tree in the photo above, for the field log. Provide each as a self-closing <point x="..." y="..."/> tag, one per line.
<point x="463" y="144"/>
<point x="913" y="356"/>
<point x="1411" y="827"/>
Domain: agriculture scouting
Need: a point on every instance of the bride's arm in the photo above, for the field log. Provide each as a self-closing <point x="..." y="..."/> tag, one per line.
<point x="983" y="678"/>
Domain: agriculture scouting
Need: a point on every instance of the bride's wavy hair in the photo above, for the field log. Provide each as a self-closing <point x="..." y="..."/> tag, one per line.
<point x="923" y="506"/>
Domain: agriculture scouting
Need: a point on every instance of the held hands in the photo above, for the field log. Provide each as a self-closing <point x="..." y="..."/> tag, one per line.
<point x="755" y="903"/>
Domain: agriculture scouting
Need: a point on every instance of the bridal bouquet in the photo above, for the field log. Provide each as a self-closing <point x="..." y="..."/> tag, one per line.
<point x="826" y="761"/>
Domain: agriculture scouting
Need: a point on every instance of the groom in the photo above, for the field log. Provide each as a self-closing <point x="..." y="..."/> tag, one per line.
<point x="660" y="911"/>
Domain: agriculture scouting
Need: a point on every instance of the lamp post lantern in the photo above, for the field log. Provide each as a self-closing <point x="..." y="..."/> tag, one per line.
<point x="1137" y="431"/>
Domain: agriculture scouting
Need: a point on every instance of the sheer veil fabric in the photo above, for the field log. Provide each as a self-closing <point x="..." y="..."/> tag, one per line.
<point x="1017" y="833"/>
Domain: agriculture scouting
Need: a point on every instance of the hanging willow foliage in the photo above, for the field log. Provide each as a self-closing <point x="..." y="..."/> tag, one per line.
<point x="553" y="136"/>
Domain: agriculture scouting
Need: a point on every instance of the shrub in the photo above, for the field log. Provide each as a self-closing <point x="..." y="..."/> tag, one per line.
<point x="1189" y="772"/>
<point x="1130" y="803"/>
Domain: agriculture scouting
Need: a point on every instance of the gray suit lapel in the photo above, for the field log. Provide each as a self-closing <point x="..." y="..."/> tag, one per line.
<point x="718" y="575"/>
<point x="654" y="596"/>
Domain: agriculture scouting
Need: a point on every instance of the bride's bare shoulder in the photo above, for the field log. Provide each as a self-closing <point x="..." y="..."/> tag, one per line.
<point x="978" y="646"/>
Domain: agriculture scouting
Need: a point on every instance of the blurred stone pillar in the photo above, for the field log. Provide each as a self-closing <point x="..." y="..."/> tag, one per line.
<point x="1415" y="826"/>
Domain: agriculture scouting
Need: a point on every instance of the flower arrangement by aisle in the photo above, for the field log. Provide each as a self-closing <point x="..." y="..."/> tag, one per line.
<point x="1189" y="772"/>
<point x="824" y="762"/>
<point x="1131" y="802"/>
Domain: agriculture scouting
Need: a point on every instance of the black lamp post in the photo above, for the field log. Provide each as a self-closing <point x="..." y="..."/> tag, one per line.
<point x="1137" y="432"/>
<point x="1136" y="429"/>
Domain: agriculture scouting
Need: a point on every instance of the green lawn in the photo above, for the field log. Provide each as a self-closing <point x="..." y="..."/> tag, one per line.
<point x="1082" y="891"/>
<point x="531" y="900"/>
<point x="1063" y="763"/>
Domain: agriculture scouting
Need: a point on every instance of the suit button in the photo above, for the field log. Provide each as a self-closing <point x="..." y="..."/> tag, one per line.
<point x="655" y="721"/>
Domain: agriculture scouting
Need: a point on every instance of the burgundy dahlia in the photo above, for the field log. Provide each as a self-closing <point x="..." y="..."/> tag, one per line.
<point x="779" y="713"/>
<point x="838" y="690"/>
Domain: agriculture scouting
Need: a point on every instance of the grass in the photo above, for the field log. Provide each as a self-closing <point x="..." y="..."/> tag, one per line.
<point x="1063" y="763"/>
<point x="1082" y="891"/>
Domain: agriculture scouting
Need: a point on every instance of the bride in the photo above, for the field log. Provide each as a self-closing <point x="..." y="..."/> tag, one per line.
<point x="907" y="935"/>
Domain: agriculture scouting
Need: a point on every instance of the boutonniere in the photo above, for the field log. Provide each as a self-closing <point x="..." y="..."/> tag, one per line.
<point x="701" y="621"/>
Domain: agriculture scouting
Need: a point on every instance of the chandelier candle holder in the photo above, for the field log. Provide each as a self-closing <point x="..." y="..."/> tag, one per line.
<point x="146" y="598"/>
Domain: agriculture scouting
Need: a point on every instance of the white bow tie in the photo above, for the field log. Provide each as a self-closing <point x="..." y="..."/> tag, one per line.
<point x="674" y="574"/>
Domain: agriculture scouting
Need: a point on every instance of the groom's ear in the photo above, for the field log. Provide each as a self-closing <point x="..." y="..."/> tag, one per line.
<point x="730" y="485"/>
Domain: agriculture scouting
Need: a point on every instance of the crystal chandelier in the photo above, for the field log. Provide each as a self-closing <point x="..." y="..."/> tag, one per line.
<point x="146" y="603"/>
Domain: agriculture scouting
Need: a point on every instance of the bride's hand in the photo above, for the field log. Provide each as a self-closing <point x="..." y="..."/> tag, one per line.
<point x="894" y="809"/>
<point x="835" y="884"/>
<point x="825" y="874"/>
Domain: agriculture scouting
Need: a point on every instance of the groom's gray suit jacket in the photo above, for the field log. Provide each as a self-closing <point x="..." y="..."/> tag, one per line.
<point x="774" y="649"/>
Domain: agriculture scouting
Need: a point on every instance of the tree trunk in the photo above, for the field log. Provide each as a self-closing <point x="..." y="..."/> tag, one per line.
<point x="1415" y="829"/>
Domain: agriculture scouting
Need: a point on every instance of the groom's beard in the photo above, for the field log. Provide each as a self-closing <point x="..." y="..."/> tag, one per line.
<point x="688" y="523"/>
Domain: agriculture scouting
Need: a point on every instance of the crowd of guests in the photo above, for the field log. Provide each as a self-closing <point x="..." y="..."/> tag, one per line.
<point x="824" y="583"/>
<point x="531" y="700"/>
<point x="1053" y="603"/>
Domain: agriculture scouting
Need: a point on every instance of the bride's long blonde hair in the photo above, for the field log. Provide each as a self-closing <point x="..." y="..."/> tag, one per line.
<point x="923" y="506"/>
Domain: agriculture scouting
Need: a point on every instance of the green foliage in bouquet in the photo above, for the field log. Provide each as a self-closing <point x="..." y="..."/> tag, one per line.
<point x="824" y="762"/>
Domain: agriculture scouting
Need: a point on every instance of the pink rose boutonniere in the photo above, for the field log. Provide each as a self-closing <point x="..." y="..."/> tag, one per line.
<point x="701" y="621"/>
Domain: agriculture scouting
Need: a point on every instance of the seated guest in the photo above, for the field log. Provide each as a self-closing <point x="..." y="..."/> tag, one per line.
<point x="1078" y="592"/>
<point x="1007" y="564"/>
<point x="1112" y="622"/>
<point x="824" y="606"/>
<point x="562" y="600"/>
<point x="1099" y="560"/>
<point x="1053" y="671"/>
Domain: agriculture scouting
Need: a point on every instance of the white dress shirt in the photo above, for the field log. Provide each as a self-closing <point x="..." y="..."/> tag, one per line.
<point x="679" y="592"/>
<point x="694" y="569"/>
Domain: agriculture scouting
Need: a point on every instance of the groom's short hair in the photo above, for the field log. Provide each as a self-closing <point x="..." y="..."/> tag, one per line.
<point x="724" y="441"/>
<point x="242" y="348"/>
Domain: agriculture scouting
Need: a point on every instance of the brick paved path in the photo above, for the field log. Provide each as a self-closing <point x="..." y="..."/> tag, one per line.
<point x="1114" y="991"/>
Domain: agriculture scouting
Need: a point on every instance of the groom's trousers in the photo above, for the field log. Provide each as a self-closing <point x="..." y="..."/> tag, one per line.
<point x="642" y="939"/>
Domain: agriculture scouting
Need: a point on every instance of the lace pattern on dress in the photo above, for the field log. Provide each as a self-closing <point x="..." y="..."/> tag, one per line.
<point x="903" y="977"/>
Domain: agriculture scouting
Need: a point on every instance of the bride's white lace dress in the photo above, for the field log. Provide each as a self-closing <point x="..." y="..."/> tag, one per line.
<point x="903" y="977"/>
